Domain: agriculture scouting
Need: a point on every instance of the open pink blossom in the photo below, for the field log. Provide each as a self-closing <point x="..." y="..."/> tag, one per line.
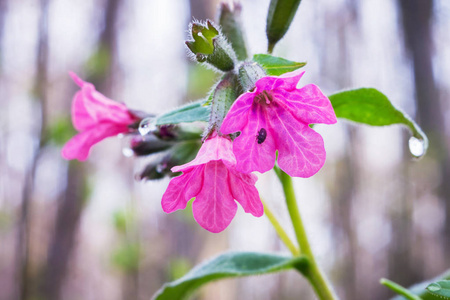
<point x="214" y="182"/>
<point x="95" y="117"/>
<point x="275" y="116"/>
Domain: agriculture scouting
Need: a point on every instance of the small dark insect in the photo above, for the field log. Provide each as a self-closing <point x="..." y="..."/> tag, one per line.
<point x="261" y="137"/>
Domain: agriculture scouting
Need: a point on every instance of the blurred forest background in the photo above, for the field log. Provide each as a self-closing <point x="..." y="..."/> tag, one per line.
<point x="71" y="230"/>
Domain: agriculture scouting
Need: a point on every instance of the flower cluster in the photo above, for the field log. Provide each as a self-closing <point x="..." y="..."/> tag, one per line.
<point x="273" y="117"/>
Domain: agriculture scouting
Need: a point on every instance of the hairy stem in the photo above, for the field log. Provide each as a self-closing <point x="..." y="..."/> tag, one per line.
<point x="280" y="231"/>
<point x="312" y="272"/>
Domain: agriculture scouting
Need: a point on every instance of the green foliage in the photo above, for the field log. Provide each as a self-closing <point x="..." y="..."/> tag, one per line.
<point x="127" y="257"/>
<point x="399" y="289"/>
<point x="420" y="288"/>
<point x="179" y="267"/>
<point x="60" y="131"/>
<point x="191" y="112"/>
<point x="228" y="265"/>
<point x="440" y="288"/>
<point x="275" y="66"/>
<point x="279" y="18"/>
<point x="99" y="62"/>
<point x="370" y="106"/>
<point x="124" y="220"/>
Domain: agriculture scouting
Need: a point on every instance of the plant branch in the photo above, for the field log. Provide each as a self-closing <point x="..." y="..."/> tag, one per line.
<point x="312" y="272"/>
<point x="280" y="231"/>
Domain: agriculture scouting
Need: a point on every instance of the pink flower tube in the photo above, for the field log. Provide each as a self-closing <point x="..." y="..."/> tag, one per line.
<point x="214" y="182"/>
<point x="276" y="116"/>
<point x="96" y="117"/>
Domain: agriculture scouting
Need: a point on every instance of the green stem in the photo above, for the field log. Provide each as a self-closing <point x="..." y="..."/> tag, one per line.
<point x="270" y="48"/>
<point x="312" y="272"/>
<point x="280" y="231"/>
<point x="399" y="289"/>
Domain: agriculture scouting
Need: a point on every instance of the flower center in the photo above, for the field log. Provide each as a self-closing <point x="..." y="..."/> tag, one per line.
<point x="264" y="97"/>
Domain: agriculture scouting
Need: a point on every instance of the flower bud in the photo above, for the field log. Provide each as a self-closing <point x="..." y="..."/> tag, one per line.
<point x="223" y="96"/>
<point x="249" y="74"/>
<point x="209" y="45"/>
<point x="230" y="21"/>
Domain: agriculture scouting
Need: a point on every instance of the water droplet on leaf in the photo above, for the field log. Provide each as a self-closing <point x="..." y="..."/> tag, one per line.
<point x="147" y="125"/>
<point x="127" y="152"/>
<point x="416" y="147"/>
<point x="434" y="287"/>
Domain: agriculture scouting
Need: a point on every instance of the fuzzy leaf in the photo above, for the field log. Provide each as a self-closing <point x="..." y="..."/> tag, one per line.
<point x="228" y="265"/>
<point x="370" y="106"/>
<point x="275" y="66"/>
<point x="191" y="112"/>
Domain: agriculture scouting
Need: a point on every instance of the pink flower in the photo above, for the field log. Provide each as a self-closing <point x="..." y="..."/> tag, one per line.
<point x="275" y="116"/>
<point x="214" y="182"/>
<point x="96" y="118"/>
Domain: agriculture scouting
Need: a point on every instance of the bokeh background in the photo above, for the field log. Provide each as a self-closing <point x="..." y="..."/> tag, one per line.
<point x="71" y="230"/>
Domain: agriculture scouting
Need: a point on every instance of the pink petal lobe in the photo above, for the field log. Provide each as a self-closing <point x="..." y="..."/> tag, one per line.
<point x="90" y="107"/>
<point x="254" y="153"/>
<point x="81" y="118"/>
<point x="77" y="79"/>
<point x="301" y="149"/>
<point x="289" y="81"/>
<point x="244" y="191"/>
<point x="79" y="146"/>
<point x="265" y="84"/>
<point x="236" y="117"/>
<point x="214" y="207"/>
<point x="181" y="189"/>
<point x="307" y="104"/>
<point x="214" y="148"/>
<point x="102" y="108"/>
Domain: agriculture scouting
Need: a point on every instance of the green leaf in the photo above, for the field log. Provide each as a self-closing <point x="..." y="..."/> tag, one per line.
<point x="279" y="18"/>
<point x="275" y="66"/>
<point x="370" y="106"/>
<point x="440" y="288"/>
<point x="191" y="112"/>
<point x="228" y="265"/>
<point x="419" y="288"/>
<point x="399" y="289"/>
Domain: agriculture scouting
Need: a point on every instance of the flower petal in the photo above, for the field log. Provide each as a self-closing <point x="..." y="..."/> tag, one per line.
<point x="214" y="148"/>
<point x="307" y="104"/>
<point x="252" y="154"/>
<point x="81" y="118"/>
<point x="244" y="191"/>
<point x="90" y="107"/>
<point x="289" y="81"/>
<point x="301" y="149"/>
<point x="265" y="84"/>
<point x="80" y="82"/>
<point x="214" y="207"/>
<point x="79" y="146"/>
<point x="236" y="117"/>
<point x="181" y="189"/>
